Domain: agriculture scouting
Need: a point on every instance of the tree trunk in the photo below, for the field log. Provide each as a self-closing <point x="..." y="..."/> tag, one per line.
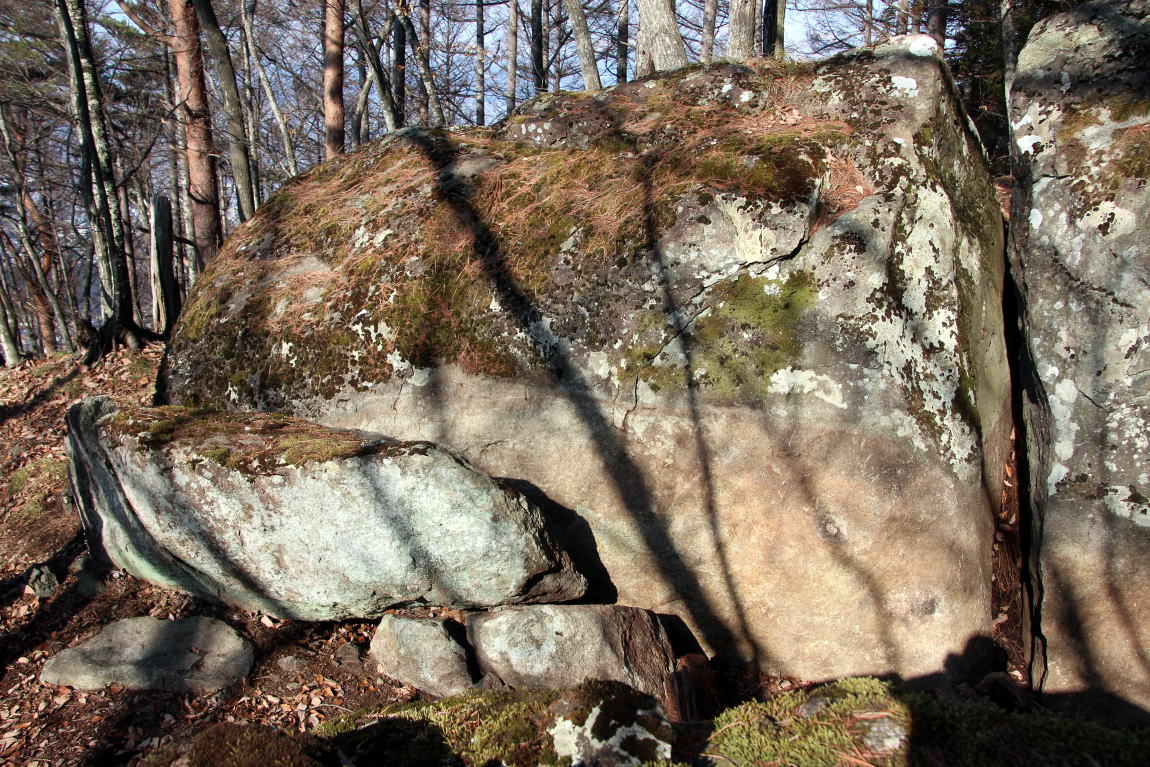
<point x="423" y="55"/>
<point x="710" y="14"/>
<point x="538" y="45"/>
<point x="238" y="143"/>
<point x="399" y="72"/>
<point x="936" y="21"/>
<point x="902" y="26"/>
<point x="622" y="41"/>
<point x="166" y="298"/>
<point x="660" y="34"/>
<point x="9" y="329"/>
<point x="388" y="88"/>
<point x="480" y="54"/>
<point x="774" y="16"/>
<point x="333" y="78"/>
<point x="512" y="54"/>
<point x="588" y="67"/>
<point x="195" y="119"/>
<point x="247" y="10"/>
<point x="1009" y="47"/>
<point x="425" y="76"/>
<point x="107" y="226"/>
<point x="741" y="37"/>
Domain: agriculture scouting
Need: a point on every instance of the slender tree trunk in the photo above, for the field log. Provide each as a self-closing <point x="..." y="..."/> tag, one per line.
<point x="434" y="104"/>
<point x="512" y="54"/>
<point x="622" y="40"/>
<point x="710" y="14"/>
<point x="165" y="288"/>
<point x="399" y="71"/>
<point x="1009" y="47"/>
<point x="195" y="118"/>
<point x="868" y="23"/>
<point x="421" y="44"/>
<point x="902" y="26"/>
<point x="333" y="120"/>
<point x="588" y="67"/>
<point x="247" y="11"/>
<point x="480" y="55"/>
<point x="660" y="34"/>
<point x="238" y="142"/>
<point x="538" y="59"/>
<point x="741" y="37"/>
<point x="107" y="226"/>
<point x="9" y="328"/>
<point x="392" y="113"/>
<point x="774" y="16"/>
<point x="936" y="21"/>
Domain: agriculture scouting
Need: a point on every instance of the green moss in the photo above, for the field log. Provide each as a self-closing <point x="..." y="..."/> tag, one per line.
<point x="238" y="745"/>
<point x="747" y="333"/>
<point x="480" y="728"/>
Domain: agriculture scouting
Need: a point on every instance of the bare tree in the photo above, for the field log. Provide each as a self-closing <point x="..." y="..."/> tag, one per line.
<point x="659" y="35"/>
<point x="587" y="64"/>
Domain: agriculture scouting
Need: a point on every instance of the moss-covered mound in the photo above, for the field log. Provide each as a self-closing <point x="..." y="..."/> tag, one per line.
<point x="850" y="722"/>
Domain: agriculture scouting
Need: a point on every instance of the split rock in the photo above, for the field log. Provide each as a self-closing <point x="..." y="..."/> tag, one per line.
<point x="191" y="655"/>
<point x="425" y="653"/>
<point x="295" y="520"/>
<point x="561" y="646"/>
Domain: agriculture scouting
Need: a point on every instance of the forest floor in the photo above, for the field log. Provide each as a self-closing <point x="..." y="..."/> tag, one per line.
<point x="305" y="673"/>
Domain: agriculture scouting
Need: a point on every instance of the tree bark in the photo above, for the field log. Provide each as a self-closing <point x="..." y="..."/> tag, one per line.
<point x="435" y="107"/>
<point x="333" y="121"/>
<point x="512" y="54"/>
<point x="588" y="67"/>
<point x="195" y="118"/>
<point x="936" y="16"/>
<point x="247" y="11"/>
<point x="538" y="46"/>
<point x="166" y="297"/>
<point x="399" y="72"/>
<point x="9" y="329"/>
<point x="902" y="25"/>
<point x="660" y="34"/>
<point x="774" y="16"/>
<point x="480" y="54"/>
<point x="238" y="143"/>
<point x="741" y="37"/>
<point x="622" y="41"/>
<point x="107" y="226"/>
<point x="392" y="112"/>
<point x="710" y="14"/>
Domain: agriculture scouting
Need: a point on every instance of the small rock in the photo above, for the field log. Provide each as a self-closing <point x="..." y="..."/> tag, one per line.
<point x="609" y="724"/>
<point x="883" y="735"/>
<point x="349" y="657"/>
<point x="192" y="655"/>
<point x="42" y="581"/>
<point x="563" y="645"/>
<point x="424" y="653"/>
<point x="813" y="706"/>
<point x="291" y="664"/>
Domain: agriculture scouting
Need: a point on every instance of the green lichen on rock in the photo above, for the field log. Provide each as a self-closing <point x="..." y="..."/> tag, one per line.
<point x="239" y="745"/>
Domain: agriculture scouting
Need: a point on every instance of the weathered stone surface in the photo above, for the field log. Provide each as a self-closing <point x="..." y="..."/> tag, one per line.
<point x="609" y="724"/>
<point x="744" y="325"/>
<point x="300" y="521"/>
<point x="1080" y="109"/>
<point x="562" y="645"/>
<point x="422" y="652"/>
<point x="191" y="655"/>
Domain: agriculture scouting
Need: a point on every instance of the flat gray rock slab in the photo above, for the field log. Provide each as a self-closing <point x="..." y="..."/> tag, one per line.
<point x="564" y="645"/>
<point x="192" y="655"/>
<point x="423" y="653"/>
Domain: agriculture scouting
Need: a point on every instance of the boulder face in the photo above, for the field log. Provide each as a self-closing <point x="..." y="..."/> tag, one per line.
<point x="296" y="520"/>
<point x="744" y="323"/>
<point x="1080" y="109"/>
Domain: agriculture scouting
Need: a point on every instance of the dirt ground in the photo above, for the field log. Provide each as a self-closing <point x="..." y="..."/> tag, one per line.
<point x="305" y="673"/>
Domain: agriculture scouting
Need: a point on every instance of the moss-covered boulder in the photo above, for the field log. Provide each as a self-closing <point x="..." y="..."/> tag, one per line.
<point x="743" y="324"/>
<point x="276" y="514"/>
<point x="1081" y="114"/>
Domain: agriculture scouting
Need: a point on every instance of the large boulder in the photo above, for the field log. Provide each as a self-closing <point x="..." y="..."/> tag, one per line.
<point x="1080" y="109"/>
<point x="301" y="521"/>
<point x="743" y="323"/>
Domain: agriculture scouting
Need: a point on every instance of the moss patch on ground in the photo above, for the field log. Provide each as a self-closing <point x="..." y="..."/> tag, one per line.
<point x="253" y="443"/>
<point x="849" y="722"/>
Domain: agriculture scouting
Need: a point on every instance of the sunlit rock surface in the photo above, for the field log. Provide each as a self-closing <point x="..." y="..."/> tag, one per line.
<point x="274" y="514"/>
<point x="742" y="324"/>
<point x="1080" y="109"/>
